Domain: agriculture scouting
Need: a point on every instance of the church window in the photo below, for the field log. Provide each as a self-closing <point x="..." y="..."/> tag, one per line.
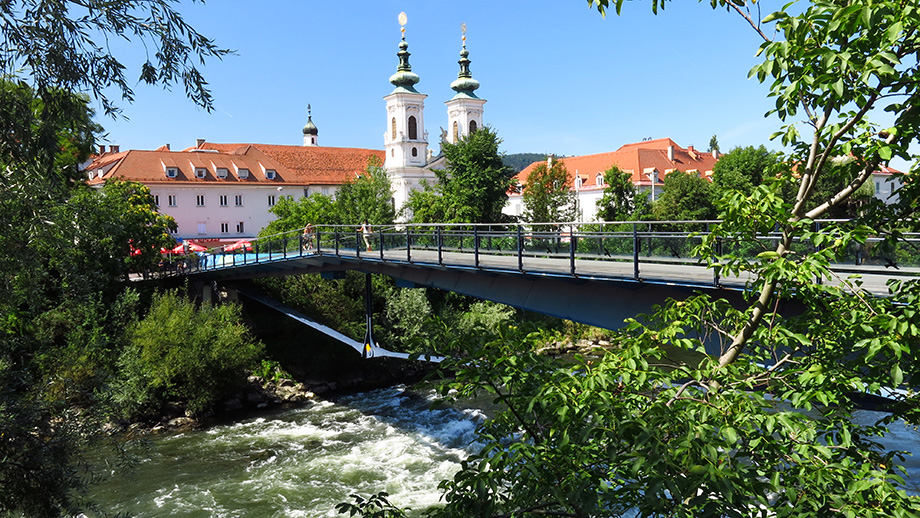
<point x="393" y="128"/>
<point x="392" y="152"/>
<point x="472" y="126"/>
<point x="413" y="128"/>
<point x="456" y="131"/>
<point x="414" y="152"/>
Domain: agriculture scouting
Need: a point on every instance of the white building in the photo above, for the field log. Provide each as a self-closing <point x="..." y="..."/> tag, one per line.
<point x="220" y="193"/>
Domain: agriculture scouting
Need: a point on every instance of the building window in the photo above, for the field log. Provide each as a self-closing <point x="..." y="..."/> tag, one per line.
<point x="238" y="199"/>
<point x="270" y="174"/>
<point x="306" y="192"/>
<point x="599" y="180"/>
<point x="239" y="227"/>
<point x="200" y="172"/>
<point x="156" y="200"/>
<point x="413" y="128"/>
<point x="414" y="152"/>
<point x="199" y="200"/>
<point x="222" y="172"/>
<point x="172" y="172"/>
<point x="456" y="131"/>
<point x="325" y="191"/>
<point x="224" y="227"/>
<point x="392" y="152"/>
<point x="223" y="200"/>
<point x="393" y="128"/>
<point x="243" y="173"/>
<point x="271" y="200"/>
<point x="172" y="200"/>
<point x="202" y="228"/>
<point x="472" y="126"/>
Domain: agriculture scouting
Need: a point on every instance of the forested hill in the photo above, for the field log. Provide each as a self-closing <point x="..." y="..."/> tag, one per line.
<point x="518" y="161"/>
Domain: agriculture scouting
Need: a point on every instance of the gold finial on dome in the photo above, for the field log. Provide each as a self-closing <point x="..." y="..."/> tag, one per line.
<point x="402" y="22"/>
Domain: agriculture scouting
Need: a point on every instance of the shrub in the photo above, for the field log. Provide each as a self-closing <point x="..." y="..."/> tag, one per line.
<point x="180" y="353"/>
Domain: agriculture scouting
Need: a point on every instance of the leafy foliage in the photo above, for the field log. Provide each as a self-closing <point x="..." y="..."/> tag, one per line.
<point x="685" y="196"/>
<point x="180" y="353"/>
<point x="617" y="202"/>
<point x="64" y="45"/>
<point x="473" y="188"/>
<point x="547" y="197"/>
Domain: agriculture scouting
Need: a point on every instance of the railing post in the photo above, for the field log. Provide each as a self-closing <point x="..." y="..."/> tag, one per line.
<point x="476" y="246"/>
<point x="440" y="247"/>
<point x="520" y="249"/>
<point x="337" y="240"/>
<point x="636" y="251"/>
<point x="380" y="242"/>
<point x="357" y="245"/>
<point x="572" y="246"/>
<point x="284" y="243"/>
<point x="408" y="245"/>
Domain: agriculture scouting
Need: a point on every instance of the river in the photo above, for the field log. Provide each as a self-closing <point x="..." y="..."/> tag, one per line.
<point x="302" y="462"/>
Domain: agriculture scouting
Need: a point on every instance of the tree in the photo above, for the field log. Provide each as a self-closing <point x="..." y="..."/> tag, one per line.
<point x="708" y="410"/>
<point x="714" y="144"/>
<point x="617" y="202"/>
<point x="547" y="196"/>
<point x="368" y="197"/>
<point x="744" y="168"/>
<point x="685" y="196"/>
<point x="50" y="227"/>
<point x="63" y="46"/>
<point x="473" y="188"/>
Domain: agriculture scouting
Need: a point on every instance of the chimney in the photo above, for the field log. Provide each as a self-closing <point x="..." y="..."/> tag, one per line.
<point x="200" y="142"/>
<point x="671" y="152"/>
<point x="549" y="161"/>
<point x="167" y="147"/>
<point x="114" y="148"/>
<point x="715" y="154"/>
<point x="102" y="149"/>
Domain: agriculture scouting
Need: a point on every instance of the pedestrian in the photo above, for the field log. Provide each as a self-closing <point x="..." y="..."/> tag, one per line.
<point x="366" y="234"/>
<point x="306" y="243"/>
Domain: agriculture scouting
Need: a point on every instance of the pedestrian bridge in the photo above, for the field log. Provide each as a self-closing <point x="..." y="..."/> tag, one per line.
<point x="598" y="273"/>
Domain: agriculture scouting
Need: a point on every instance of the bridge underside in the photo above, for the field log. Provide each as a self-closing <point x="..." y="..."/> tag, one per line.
<point x="603" y="303"/>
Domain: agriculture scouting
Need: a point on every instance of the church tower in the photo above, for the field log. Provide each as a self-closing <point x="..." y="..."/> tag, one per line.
<point x="464" y="110"/>
<point x="310" y="133"/>
<point x="405" y="140"/>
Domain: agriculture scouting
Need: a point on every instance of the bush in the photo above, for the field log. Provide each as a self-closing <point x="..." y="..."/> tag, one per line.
<point x="180" y="353"/>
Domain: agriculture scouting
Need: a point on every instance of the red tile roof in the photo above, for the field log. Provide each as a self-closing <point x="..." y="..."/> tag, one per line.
<point x="635" y="159"/>
<point x="294" y="165"/>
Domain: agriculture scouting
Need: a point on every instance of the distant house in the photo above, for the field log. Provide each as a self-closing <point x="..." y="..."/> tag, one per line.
<point x="887" y="182"/>
<point x="647" y="162"/>
<point x="223" y="192"/>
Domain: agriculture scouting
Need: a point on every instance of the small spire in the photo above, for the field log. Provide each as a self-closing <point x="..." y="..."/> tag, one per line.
<point x="465" y="84"/>
<point x="404" y="77"/>
<point x="310" y="128"/>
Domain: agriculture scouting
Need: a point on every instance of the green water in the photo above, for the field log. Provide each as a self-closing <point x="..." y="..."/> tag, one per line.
<point x="300" y="462"/>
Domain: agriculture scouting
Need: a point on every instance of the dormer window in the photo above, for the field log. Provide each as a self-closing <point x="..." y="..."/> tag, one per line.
<point x="172" y="172"/>
<point x="599" y="180"/>
<point x="222" y="172"/>
<point x="200" y="172"/>
<point x="270" y="174"/>
<point x="243" y="173"/>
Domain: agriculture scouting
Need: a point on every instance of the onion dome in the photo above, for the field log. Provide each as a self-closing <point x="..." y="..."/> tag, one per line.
<point x="404" y="78"/>
<point x="465" y="84"/>
<point x="310" y="128"/>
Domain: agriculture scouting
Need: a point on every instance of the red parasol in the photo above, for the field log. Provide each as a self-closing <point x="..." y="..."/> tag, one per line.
<point x="238" y="245"/>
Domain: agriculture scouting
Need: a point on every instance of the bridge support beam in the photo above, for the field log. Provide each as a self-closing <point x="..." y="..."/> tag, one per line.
<point x="369" y="345"/>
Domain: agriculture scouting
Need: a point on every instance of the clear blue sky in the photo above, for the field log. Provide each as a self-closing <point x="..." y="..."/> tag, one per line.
<point x="557" y="76"/>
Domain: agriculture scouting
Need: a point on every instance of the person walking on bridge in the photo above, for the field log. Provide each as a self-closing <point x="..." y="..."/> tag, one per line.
<point x="306" y="240"/>
<point x="366" y="233"/>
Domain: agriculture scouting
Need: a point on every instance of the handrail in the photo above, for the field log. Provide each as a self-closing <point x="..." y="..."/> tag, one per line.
<point x="583" y="246"/>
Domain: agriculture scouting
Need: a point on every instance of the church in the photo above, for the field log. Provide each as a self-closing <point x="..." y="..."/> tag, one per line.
<point x="222" y="192"/>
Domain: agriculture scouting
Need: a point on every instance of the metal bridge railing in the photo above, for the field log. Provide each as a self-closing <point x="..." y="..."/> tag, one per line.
<point x="576" y="249"/>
